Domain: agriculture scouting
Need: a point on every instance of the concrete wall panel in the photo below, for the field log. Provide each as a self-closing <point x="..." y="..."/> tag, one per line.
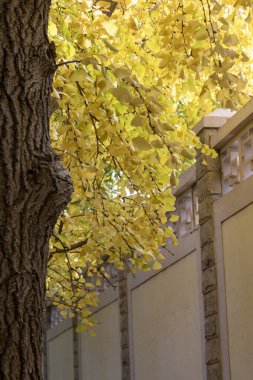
<point x="238" y="263"/>
<point x="167" y="324"/>
<point x="60" y="357"/>
<point x="101" y="357"/>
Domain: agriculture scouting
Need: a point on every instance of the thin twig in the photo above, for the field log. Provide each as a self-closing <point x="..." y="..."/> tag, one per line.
<point x="67" y="62"/>
<point x="72" y="246"/>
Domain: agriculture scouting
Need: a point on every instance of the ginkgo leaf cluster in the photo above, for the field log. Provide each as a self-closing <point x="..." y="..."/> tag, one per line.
<point x="132" y="79"/>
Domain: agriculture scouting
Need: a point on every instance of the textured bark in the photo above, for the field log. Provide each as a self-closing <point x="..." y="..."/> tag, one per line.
<point x="34" y="188"/>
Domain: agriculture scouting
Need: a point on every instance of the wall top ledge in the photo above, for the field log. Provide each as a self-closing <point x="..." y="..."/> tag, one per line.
<point x="215" y="119"/>
<point x="186" y="180"/>
<point x="234" y="125"/>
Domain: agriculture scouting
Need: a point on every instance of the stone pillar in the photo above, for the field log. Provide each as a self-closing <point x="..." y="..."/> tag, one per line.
<point x="76" y="350"/>
<point x="208" y="190"/>
<point x="47" y="315"/>
<point x="125" y="327"/>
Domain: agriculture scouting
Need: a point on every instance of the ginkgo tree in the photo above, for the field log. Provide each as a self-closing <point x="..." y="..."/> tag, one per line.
<point x="123" y="82"/>
<point x="132" y="80"/>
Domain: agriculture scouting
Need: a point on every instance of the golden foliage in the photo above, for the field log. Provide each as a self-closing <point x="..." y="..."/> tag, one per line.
<point x="131" y="81"/>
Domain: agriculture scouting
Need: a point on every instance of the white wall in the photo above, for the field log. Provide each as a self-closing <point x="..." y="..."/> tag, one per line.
<point x="238" y="263"/>
<point x="60" y="357"/>
<point x="101" y="356"/>
<point x="167" y="324"/>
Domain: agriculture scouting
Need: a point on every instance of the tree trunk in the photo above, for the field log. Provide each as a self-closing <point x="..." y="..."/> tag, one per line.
<point x="34" y="188"/>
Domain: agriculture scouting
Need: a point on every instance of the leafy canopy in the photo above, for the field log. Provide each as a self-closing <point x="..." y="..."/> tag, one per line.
<point x="132" y="78"/>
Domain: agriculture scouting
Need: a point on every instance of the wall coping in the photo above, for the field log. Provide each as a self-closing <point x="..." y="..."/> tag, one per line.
<point x="234" y="125"/>
<point x="186" y="180"/>
<point x="215" y="119"/>
<point x="55" y="331"/>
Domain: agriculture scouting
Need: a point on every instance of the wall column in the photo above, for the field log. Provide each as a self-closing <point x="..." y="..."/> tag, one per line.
<point x="125" y="311"/>
<point x="208" y="190"/>
<point x="76" y="350"/>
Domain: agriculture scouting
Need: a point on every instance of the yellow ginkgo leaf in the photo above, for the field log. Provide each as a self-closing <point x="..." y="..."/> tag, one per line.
<point x="110" y="27"/>
<point x="140" y="143"/>
<point x="78" y="75"/>
<point x="122" y="94"/>
<point x="174" y="218"/>
<point x="157" y="265"/>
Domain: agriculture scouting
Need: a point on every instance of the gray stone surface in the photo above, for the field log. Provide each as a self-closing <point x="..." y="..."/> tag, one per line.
<point x="124" y="321"/>
<point x="214" y="372"/>
<point x="124" y="325"/>
<point x="209" y="184"/>
<point x="208" y="190"/>
<point x="212" y="164"/>
<point x="125" y="357"/>
<point x="209" y="281"/>
<point x="207" y="232"/>
<point x="210" y="303"/>
<point x="212" y="351"/>
<point x="208" y="256"/>
<point x="206" y="134"/>
<point x="206" y="208"/>
<point x="211" y="327"/>
<point x="123" y="305"/>
<point x="124" y="339"/>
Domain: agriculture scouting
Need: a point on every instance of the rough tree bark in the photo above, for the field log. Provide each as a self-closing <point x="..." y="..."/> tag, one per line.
<point x="34" y="187"/>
